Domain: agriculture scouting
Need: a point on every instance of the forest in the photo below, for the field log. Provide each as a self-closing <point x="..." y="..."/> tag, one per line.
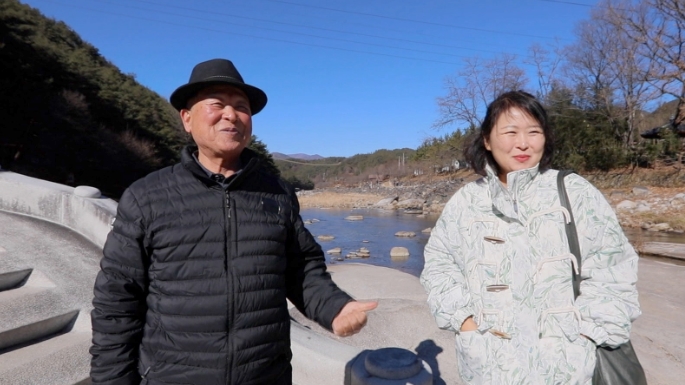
<point x="616" y="97"/>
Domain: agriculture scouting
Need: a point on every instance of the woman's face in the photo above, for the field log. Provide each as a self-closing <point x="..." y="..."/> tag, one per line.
<point x="517" y="142"/>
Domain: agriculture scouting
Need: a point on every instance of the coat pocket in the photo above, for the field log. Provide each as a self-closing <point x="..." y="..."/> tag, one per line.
<point x="471" y="355"/>
<point x="560" y="322"/>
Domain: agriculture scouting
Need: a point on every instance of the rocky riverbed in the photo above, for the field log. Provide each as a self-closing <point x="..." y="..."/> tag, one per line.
<point x="650" y="208"/>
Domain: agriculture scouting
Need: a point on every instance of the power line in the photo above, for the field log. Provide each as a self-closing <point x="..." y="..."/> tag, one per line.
<point x="567" y="2"/>
<point x="234" y="17"/>
<point x="303" y="26"/>
<point x="409" y="20"/>
<point x="296" y="33"/>
<point x="254" y="36"/>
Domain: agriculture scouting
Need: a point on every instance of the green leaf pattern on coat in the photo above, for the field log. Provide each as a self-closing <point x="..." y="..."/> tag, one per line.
<point x="537" y="311"/>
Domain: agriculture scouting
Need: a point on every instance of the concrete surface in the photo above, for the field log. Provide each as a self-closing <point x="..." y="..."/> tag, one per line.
<point x="45" y="328"/>
<point x="402" y="318"/>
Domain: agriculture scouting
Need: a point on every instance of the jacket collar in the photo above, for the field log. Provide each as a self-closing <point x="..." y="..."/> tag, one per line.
<point x="248" y="158"/>
<point x="508" y="199"/>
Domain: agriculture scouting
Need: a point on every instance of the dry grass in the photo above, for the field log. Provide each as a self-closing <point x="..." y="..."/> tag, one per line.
<point x="675" y="218"/>
<point x="329" y="199"/>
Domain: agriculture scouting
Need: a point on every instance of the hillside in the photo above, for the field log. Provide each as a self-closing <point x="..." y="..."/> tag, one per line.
<point x="69" y="115"/>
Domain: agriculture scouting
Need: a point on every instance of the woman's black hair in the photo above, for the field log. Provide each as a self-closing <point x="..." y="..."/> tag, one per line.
<point x="475" y="152"/>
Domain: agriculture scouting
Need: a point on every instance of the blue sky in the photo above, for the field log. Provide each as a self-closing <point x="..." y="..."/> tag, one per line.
<point x="343" y="77"/>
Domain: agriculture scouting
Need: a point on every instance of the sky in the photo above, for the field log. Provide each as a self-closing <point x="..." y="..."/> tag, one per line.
<point x="342" y="77"/>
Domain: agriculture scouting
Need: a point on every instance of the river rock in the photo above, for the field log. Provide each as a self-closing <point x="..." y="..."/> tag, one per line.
<point x="405" y="234"/>
<point x="399" y="252"/>
<point x="643" y="207"/>
<point x="325" y="237"/>
<point x="427" y="230"/>
<point x="335" y="250"/>
<point x="626" y="205"/>
<point x="640" y="190"/>
<point x="386" y="202"/>
<point x="660" y="227"/>
<point x="354" y="218"/>
<point x="617" y="195"/>
<point x="413" y="211"/>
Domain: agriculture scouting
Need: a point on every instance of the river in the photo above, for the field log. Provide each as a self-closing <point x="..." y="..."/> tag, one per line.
<point x="376" y="232"/>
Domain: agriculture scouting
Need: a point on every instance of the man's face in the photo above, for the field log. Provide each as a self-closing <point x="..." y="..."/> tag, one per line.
<point x="220" y="121"/>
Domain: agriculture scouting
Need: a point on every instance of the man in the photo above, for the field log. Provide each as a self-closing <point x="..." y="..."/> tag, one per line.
<point x="203" y="255"/>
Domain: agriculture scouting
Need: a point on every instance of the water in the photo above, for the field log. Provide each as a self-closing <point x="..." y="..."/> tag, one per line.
<point x="639" y="235"/>
<point x="379" y="227"/>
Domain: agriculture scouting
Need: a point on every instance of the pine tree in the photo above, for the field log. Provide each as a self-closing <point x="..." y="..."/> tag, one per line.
<point x="267" y="160"/>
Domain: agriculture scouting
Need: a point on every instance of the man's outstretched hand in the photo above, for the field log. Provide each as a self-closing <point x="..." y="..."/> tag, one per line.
<point x="352" y="318"/>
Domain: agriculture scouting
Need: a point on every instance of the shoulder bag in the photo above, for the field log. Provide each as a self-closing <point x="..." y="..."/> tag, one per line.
<point x="614" y="366"/>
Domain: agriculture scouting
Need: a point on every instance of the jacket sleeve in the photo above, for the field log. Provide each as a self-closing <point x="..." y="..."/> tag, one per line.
<point x="119" y="305"/>
<point x="608" y="300"/>
<point x="309" y="286"/>
<point x="443" y="274"/>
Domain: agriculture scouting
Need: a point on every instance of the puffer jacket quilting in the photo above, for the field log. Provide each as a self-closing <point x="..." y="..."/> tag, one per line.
<point x="208" y="270"/>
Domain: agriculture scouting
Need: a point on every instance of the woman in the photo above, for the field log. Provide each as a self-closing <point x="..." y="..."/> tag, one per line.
<point x="498" y="266"/>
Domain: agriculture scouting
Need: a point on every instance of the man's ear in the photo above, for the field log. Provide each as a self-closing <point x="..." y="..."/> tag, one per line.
<point x="185" y="118"/>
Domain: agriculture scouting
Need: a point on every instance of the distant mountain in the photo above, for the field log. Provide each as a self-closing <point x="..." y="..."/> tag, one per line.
<point x="278" y="155"/>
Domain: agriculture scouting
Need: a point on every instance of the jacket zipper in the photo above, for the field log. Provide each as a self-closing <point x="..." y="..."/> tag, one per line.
<point x="229" y="289"/>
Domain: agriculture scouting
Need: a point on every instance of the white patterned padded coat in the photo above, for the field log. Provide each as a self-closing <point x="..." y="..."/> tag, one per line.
<point x="531" y="330"/>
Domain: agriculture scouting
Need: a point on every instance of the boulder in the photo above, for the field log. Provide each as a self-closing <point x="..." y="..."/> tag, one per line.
<point x="335" y="250"/>
<point x="626" y="205"/>
<point x="399" y="252"/>
<point x="413" y="211"/>
<point x="354" y="218"/>
<point x="405" y="234"/>
<point x="643" y="207"/>
<point x="640" y="190"/>
<point x="386" y="202"/>
<point x="660" y="227"/>
<point x="427" y="230"/>
<point x="325" y="237"/>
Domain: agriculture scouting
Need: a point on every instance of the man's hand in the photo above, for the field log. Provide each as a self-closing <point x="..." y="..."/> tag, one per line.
<point x="352" y="318"/>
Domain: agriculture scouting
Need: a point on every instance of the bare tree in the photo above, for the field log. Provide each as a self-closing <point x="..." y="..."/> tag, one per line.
<point x="658" y="27"/>
<point x="605" y="66"/>
<point x="476" y="85"/>
<point x="587" y="66"/>
<point x="546" y="64"/>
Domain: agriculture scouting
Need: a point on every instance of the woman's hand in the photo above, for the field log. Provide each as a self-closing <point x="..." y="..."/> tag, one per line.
<point x="469" y="325"/>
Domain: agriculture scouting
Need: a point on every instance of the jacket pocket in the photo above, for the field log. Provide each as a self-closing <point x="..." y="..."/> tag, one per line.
<point x="560" y="322"/>
<point x="471" y="355"/>
<point x="553" y="286"/>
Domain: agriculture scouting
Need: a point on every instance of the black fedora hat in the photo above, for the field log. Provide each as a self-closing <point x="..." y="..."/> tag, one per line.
<point x="216" y="71"/>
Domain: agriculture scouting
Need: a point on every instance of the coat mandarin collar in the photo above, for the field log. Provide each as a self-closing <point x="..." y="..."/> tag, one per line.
<point x="510" y="198"/>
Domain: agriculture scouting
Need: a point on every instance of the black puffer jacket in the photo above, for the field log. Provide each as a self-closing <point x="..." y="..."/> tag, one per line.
<point x="194" y="280"/>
